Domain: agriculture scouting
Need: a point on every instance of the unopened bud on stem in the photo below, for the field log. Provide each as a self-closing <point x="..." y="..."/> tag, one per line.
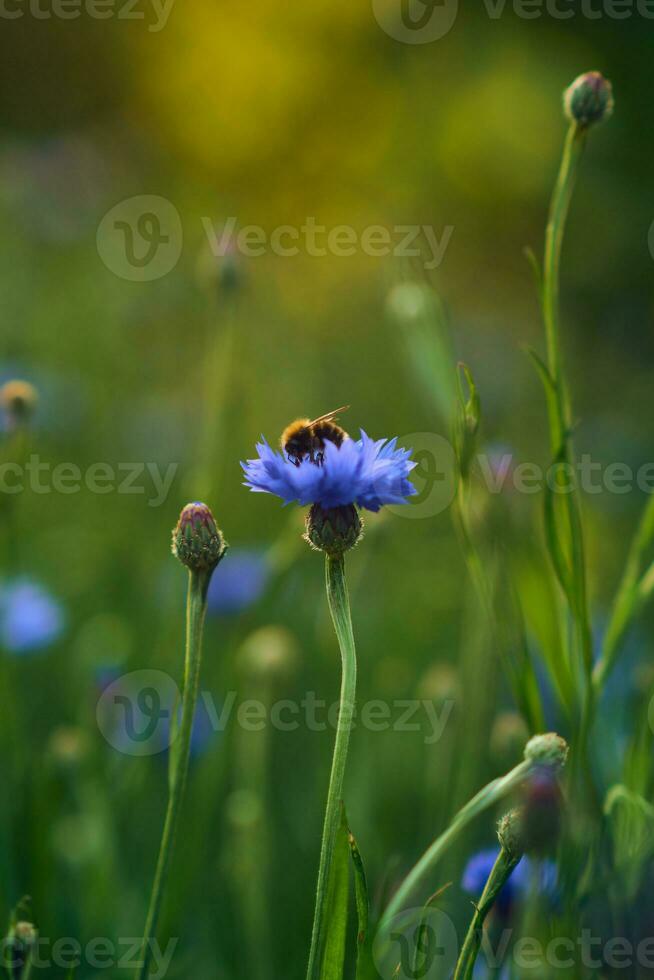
<point x="197" y="541"/>
<point x="548" y="750"/>
<point x="335" y="530"/>
<point x="510" y="833"/>
<point x="589" y="99"/>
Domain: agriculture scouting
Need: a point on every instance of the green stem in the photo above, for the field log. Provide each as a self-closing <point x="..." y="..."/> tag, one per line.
<point x="498" y="877"/>
<point x="339" y="607"/>
<point x="27" y="969"/>
<point x="560" y="419"/>
<point x="486" y="797"/>
<point x="195" y="614"/>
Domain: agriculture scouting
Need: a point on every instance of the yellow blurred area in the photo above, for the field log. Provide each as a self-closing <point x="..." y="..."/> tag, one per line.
<point x="252" y="107"/>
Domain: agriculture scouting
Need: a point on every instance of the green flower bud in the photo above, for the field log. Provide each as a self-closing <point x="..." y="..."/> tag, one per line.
<point x="510" y="833"/>
<point x="197" y="542"/>
<point x="18" y="400"/>
<point x="589" y="99"/>
<point x="547" y="750"/>
<point x="333" y="531"/>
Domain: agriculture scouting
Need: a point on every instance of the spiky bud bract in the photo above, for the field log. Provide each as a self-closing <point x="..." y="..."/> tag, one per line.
<point x="548" y="750"/>
<point x="197" y="541"/>
<point x="334" y="530"/>
<point x="510" y="833"/>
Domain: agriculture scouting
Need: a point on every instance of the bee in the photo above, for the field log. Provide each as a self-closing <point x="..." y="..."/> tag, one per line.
<point x="307" y="437"/>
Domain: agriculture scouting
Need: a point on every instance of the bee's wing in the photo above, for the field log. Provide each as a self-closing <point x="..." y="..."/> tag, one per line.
<point x="330" y="416"/>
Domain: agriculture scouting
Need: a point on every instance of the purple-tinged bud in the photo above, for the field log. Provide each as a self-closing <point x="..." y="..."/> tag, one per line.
<point x="197" y="541"/>
<point x="333" y="531"/>
<point x="589" y="99"/>
<point x="549" y="751"/>
<point x="510" y="833"/>
<point x="543" y="802"/>
<point x="18" y="400"/>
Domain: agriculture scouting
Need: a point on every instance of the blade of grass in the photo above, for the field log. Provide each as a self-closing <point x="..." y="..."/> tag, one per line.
<point x="633" y="591"/>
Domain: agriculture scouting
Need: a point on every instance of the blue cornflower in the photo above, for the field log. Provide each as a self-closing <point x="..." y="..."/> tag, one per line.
<point x="238" y="583"/>
<point x="365" y="472"/>
<point x="526" y="874"/>
<point x="30" y="618"/>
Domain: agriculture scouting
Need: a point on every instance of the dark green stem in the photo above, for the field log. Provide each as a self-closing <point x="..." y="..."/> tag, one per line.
<point x="339" y="607"/>
<point x="575" y="585"/>
<point x="498" y="877"/>
<point x="195" y="614"/>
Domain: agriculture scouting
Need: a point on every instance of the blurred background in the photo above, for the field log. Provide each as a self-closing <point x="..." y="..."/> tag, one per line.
<point x="274" y="115"/>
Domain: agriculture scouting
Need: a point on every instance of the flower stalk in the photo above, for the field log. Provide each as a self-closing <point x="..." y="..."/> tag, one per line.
<point x="507" y="860"/>
<point x="199" y="545"/>
<point x="559" y="404"/>
<point x="195" y="614"/>
<point x="492" y="793"/>
<point x="339" y="607"/>
<point x="587" y="102"/>
<point x="549" y="751"/>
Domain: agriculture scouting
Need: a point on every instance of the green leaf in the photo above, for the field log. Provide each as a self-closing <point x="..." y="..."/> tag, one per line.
<point x="558" y="541"/>
<point x="419" y="967"/>
<point x="631" y="819"/>
<point x="468" y="419"/>
<point x="530" y="255"/>
<point x="549" y="384"/>
<point x="364" y="957"/>
<point x="338" y="888"/>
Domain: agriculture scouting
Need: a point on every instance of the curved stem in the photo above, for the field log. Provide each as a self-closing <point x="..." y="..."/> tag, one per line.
<point x="500" y="873"/>
<point x="339" y="607"/>
<point x="195" y="613"/>
<point x="486" y="797"/>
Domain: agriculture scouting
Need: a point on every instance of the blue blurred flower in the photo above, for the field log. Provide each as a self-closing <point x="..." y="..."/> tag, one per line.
<point x="366" y="472"/>
<point x="528" y="874"/>
<point x="239" y="582"/>
<point x="30" y="618"/>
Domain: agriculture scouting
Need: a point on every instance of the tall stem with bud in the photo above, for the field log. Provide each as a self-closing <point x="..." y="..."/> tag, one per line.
<point x="333" y="532"/>
<point x="200" y="546"/>
<point x="588" y="101"/>
<point x="509" y="835"/>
